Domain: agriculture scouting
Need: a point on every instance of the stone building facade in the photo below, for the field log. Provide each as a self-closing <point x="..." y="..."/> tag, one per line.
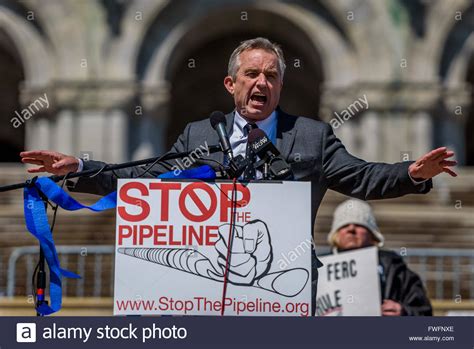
<point x="122" y="78"/>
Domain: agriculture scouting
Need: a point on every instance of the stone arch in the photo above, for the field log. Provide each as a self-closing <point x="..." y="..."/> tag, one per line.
<point x="316" y="39"/>
<point x="456" y="73"/>
<point x="372" y="33"/>
<point x="12" y="137"/>
<point x="335" y="50"/>
<point x="425" y="53"/>
<point x="67" y="39"/>
<point x="25" y="63"/>
<point x="33" y="50"/>
<point x="122" y="55"/>
<point x="456" y="50"/>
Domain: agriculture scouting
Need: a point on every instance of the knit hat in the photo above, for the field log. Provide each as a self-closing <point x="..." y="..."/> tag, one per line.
<point x="354" y="211"/>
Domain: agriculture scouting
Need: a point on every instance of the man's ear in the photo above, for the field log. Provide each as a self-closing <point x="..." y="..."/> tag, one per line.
<point x="229" y="84"/>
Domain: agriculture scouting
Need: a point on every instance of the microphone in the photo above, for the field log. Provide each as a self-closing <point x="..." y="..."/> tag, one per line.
<point x="275" y="167"/>
<point x="218" y="123"/>
<point x="236" y="164"/>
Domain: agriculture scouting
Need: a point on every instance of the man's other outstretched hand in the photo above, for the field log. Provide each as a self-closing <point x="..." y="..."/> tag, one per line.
<point x="432" y="164"/>
<point x="50" y="161"/>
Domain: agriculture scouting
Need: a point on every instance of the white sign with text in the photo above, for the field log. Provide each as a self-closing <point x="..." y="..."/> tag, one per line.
<point x="349" y="284"/>
<point x="171" y="248"/>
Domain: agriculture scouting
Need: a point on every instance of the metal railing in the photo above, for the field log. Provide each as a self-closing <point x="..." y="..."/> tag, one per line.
<point x="440" y="269"/>
<point x="444" y="268"/>
<point x="442" y="272"/>
<point x="31" y="255"/>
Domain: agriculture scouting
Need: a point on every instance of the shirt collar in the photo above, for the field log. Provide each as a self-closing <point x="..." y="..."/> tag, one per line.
<point x="266" y="125"/>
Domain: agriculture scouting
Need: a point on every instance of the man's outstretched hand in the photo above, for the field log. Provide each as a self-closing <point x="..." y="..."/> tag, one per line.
<point x="50" y="161"/>
<point x="432" y="164"/>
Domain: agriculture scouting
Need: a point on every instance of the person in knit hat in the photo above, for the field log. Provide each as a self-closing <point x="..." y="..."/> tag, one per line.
<point x="354" y="226"/>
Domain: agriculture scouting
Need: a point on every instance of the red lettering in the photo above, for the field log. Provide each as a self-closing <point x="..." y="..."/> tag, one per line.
<point x="206" y="212"/>
<point x="167" y="235"/>
<point x="165" y="196"/>
<point x="125" y="231"/>
<point x="193" y="234"/>
<point x="157" y="235"/>
<point x="135" y="229"/>
<point x="145" y="207"/>
<point x="171" y="240"/>
<point x="211" y="238"/>
<point x="226" y="198"/>
<point x="144" y="235"/>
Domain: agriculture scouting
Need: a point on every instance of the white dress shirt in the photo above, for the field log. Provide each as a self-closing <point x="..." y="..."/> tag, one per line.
<point x="238" y="138"/>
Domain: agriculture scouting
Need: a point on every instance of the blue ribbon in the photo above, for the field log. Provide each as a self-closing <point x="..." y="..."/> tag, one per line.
<point x="201" y="172"/>
<point x="37" y="223"/>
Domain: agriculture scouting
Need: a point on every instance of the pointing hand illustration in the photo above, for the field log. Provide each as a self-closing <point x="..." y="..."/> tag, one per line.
<point x="251" y="254"/>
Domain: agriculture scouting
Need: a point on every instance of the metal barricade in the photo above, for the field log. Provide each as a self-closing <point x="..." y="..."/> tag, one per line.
<point x="31" y="254"/>
<point x="451" y="269"/>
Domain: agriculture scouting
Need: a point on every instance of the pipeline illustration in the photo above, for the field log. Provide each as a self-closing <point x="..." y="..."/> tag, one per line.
<point x="250" y="262"/>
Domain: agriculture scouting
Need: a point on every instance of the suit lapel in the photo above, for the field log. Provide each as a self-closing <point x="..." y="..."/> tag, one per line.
<point x="230" y="122"/>
<point x="286" y="133"/>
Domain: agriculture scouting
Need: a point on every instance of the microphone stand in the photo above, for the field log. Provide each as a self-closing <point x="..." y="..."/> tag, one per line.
<point x="263" y="166"/>
<point x="41" y="275"/>
<point x="266" y="171"/>
<point x="106" y="168"/>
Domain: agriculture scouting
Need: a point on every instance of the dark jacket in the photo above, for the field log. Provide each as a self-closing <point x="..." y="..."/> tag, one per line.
<point x="402" y="285"/>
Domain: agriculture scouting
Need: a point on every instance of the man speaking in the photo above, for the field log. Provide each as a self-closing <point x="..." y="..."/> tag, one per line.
<point x="255" y="80"/>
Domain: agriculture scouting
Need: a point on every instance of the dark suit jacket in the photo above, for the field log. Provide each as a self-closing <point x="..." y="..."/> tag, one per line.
<point x="315" y="155"/>
<point x="310" y="146"/>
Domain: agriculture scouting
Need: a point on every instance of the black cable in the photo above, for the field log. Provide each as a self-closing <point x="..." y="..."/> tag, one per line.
<point x="153" y="164"/>
<point x="170" y="168"/>
<point x="141" y="175"/>
<point x="33" y="280"/>
<point x="221" y="165"/>
<point x="98" y="172"/>
<point x="147" y="170"/>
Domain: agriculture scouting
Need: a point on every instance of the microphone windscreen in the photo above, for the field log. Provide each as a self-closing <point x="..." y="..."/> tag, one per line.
<point x="255" y="134"/>
<point x="216" y="118"/>
<point x="261" y="144"/>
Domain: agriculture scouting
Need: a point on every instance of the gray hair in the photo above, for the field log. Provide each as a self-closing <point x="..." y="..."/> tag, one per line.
<point x="257" y="43"/>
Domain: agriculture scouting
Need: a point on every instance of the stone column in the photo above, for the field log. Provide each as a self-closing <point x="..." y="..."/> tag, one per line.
<point x="422" y="133"/>
<point x="154" y="123"/>
<point x="38" y="134"/>
<point x="91" y="131"/>
<point x="334" y="100"/>
<point x="116" y="134"/>
<point x="65" y="132"/>
<point x="370" y="136"/>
